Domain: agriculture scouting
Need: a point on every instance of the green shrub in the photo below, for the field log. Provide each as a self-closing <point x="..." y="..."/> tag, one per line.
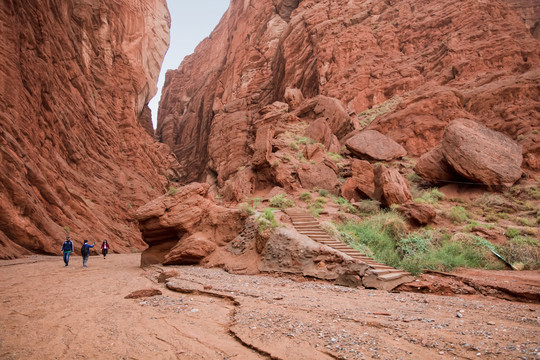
<point x="334" y="157"/>
<point x="280" y="201"/>
<point x="306" y="197"/>
<point x="344" y="204"/>
<point x="413" y="178"/>
<point x="267" y="221"/>
<point x="315" y="212"/>
<point x="384" y="235"/>
<point x="305" y="140"/>
<point x="319" y="203"/>
<point x="367" y="207"/>
<point x="293" y="146"/>
<point x="512" y="233"/>
<point x="172" y="190"/>
<point x="458" y="214"/>
<point x="523" y="250"/>
<point x="245" y="208"/>
<point x="323" y="192"/>
<point x="432" y="196"/>
<point x="255" y="202"/>
<point x="67" y="229"/>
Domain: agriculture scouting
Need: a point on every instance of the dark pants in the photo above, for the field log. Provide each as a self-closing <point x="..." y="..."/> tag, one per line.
<point x="105" y="252"/>
<point x="66" y="257"/>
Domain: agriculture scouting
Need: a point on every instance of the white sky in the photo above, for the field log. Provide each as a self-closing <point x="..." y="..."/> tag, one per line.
<point x="191" y="22"/>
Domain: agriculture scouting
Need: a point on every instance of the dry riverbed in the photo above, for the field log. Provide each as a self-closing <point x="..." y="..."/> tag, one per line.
<point x="51" y="312"/>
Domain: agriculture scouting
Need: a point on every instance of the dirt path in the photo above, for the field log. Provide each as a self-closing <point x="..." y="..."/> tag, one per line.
<point x="51" y="312"/>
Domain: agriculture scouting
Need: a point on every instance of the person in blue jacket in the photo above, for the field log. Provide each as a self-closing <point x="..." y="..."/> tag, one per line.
<point x="85" y="252"/>
<point x="67" y="248"/>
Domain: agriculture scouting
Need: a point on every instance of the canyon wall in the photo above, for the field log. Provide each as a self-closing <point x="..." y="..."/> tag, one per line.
<point x="406" y="68"/>
<point x="75" y="80"/>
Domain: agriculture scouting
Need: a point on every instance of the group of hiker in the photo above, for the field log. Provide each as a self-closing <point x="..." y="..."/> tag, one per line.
<point x="67" y="249"/>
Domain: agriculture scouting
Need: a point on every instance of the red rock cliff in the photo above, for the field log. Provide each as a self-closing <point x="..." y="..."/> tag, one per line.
<point x="414" y="65"/>
<point x="75" y="80"/>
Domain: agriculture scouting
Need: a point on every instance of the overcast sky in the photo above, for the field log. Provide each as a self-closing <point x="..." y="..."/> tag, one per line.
<point x="191" y="22"/>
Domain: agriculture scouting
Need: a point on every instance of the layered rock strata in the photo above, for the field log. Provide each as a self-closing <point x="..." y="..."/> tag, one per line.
<point x="76" y="78"/>
<point x="405" y="69"/>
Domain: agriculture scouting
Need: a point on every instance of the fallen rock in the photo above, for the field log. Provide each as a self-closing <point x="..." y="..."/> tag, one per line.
<point x="290" y="252"/>
<point x="421" y="214"/>
<point x="320" y="131"/>
<point x="318" y="176"/>
<point x="143" y="293"/>
<point x="361" y="184"/>
<point x="432" y="167"/>
<point x="329" y="109"/>
<point x="390" y="186"/>
<point x="190" y="250"/>
<point x="294" y="97"/>
<point x="371" y="144"/>
<point x="481" y="154"/>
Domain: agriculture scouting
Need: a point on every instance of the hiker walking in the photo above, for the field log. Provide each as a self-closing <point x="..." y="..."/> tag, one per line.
<point x="67" y="248"/>
<point x="85" y="252"/>
<point x="105" y="248"/>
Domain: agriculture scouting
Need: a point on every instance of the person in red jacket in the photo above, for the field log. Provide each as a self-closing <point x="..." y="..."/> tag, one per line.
<point x="104" y="248"/>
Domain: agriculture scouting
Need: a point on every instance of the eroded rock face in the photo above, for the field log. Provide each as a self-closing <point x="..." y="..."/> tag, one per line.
<point x="185" y="227"/>
<point x="481" y="154"/>
<point x="323" y="58"/>
<point x="76" y="80"/>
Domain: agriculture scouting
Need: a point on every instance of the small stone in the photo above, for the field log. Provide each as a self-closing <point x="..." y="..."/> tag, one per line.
<point x="459" y="315"/>
<point x="491" y="323"/>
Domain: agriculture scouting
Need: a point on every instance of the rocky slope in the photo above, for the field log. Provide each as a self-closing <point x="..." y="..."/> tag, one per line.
<point x="76" y="77"/>
<point x="404" y="68"/>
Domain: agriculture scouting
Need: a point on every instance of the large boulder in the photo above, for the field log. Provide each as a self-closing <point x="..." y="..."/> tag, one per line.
<point x="319" y="176"/>
<point x="329" y="109"/>
<point x="320" y="131"/>
<point x="190" y="250"/>
<point x="371" y="144"/>
<point x="169" y="223"/>
<point x="290" y="252"/>
<point x="391" y="187"/>
<point x="432" y="166"/>
<point x="420" y="214"/>
<point x="482" y="155"/>
<point x="361" y="184"/>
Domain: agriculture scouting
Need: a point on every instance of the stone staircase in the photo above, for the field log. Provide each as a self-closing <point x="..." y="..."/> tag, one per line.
<point x="378" y="276"/>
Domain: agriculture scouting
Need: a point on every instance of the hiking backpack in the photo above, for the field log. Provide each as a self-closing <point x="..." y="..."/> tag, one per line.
<point x="84" y="250"/>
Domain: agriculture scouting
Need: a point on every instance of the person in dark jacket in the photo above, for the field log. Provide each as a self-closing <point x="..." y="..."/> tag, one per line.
<point x="104" y="248"/>
<point x="67" y="248"/>
<point x="85" y="252"/>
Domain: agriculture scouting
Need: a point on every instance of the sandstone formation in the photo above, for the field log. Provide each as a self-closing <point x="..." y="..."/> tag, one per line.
<point x="420" y="214"/>
<point x="404" y="69"/>
<point x="76" y="80"/>
<point x="361" y="184"/>
<point x="372" y="145"/>
<point x="391" y="188"/>
<point x="185" y="227"/>
<point x="432" y="166"/>
<point x="481" y="154"/>
<point x="290" y="252"/>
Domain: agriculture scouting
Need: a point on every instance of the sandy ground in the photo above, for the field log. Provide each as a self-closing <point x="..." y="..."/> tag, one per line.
<point x="51" y="312"/>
